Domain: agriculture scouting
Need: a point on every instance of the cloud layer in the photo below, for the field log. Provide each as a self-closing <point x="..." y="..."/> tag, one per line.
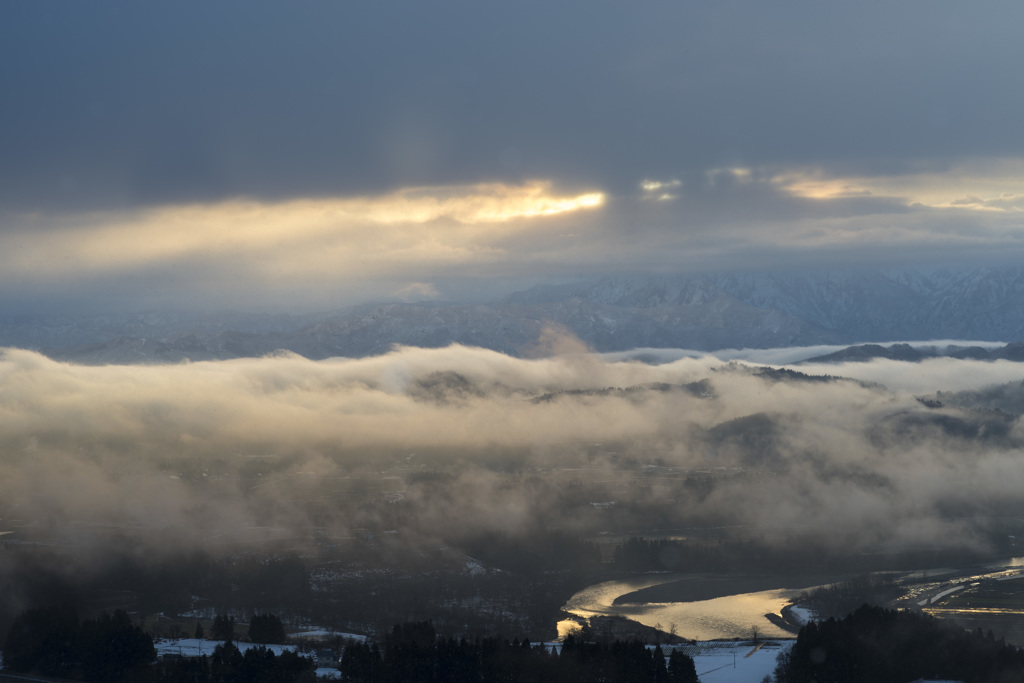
<point x="470" y="441"/>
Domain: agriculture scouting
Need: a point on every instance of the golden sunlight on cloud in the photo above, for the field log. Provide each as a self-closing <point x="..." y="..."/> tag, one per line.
<point x="660" y="190"/>
<point x="811" y="185"/>
<point x="485" y="203"/>
<point x="434" y="223"/>
<point x="981" y="186"/>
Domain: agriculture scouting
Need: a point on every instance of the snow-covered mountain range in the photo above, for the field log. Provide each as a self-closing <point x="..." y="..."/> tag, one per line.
<point x="701" y="311"/>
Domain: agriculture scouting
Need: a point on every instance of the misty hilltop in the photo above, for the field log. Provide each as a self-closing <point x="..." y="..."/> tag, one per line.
<point x="863" y="353"/>
<point x="701" y="312"/>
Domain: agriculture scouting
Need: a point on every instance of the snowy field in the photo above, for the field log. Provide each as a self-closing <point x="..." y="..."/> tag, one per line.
<point x="321" y="633"/>
<point x="195" y="647"/>
<point x="724" y="662"/>
<point x="719" y="661"/>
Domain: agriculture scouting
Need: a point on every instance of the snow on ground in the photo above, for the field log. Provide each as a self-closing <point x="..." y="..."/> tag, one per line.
<point x="728" y="662"/>
<point x="473" y="567"/>
<point x="322" y="633"/>
<point x="802" y="614"/>
<point x="719" y="661"/>
<point x="195" y="647"/>
<point x="716" y="661"/>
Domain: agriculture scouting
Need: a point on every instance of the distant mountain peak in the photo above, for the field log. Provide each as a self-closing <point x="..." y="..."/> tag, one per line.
<point x="705" y="311"/>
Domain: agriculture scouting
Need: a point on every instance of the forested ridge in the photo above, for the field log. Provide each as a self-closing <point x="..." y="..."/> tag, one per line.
<point x="109" y="649"/>
<point x="412" y="653"/>
<point x="876" y="645"/>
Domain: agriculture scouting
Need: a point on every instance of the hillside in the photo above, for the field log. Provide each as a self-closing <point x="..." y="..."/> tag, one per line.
<point x="701" y="312"/>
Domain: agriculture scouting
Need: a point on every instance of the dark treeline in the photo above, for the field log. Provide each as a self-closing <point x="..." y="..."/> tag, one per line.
<point x="223" y="627"/>
<point x="542" y="552"/>
<point x="51" y="641"/>
<point x="413" y="653"/>
<point x="110" y="649"/>
<point x="517" y="587"/>
<point x="266" y="628"/>
<point x="364" y="584"/>
<point x="335" y="591"/>
<point x="876" y="645"/>
<point x="844" y="597"/>
<point x="496" y="604"/>
<point x="43" y="576"/>
<point x="228" y="664"/>
<point x="640" y="554"/>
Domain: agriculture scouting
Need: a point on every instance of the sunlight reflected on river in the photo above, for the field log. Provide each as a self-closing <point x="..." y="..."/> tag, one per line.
<point x="733" y="616"/>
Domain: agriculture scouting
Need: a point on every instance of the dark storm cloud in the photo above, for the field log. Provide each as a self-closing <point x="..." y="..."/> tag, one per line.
<point x="116" y="103"/>
<point x="147" y="151"/>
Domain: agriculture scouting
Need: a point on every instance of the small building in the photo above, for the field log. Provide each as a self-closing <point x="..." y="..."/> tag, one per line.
<point x="326" y="657"/>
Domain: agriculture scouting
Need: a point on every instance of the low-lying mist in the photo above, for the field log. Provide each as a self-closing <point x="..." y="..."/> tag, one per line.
<point x="437" y="445"/>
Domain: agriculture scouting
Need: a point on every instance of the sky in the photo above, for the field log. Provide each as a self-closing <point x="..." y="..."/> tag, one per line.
<point x="310" y="155"/>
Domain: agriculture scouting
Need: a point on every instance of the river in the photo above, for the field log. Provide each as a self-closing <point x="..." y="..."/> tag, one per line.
<point x="726" y="615"/>
<point x="708" y="607"/>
